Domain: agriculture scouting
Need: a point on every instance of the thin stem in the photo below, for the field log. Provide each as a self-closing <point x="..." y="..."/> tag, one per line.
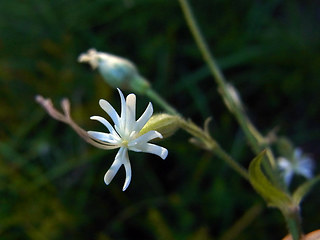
<point x="158" y="99"/>
<point x="293" y="220"/>
<point x="201" y="42"/>
<point x="254" y="137"/>
<point x="232" y="163"/>
<point x="234" y="104"/>
<point x="209" y="143"/>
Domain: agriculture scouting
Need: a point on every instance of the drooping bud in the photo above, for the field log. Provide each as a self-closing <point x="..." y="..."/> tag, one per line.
<point x="116" y="71"/>
<point x="163" y="123"/>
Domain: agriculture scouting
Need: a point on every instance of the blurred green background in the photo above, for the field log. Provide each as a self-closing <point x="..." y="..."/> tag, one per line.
<point x="51" y="181"/>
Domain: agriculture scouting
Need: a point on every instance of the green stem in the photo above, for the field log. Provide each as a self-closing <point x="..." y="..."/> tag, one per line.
<point x="229" y="160"/>
<point x="256" y="140"/>
<point x="293" y="220"/>
<point x="254" y="137"/>
<point x="158" y="99"/>
<point x="209" y="143"/>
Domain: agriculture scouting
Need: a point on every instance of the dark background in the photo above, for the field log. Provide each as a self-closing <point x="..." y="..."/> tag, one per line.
<point x="51" y="181"/>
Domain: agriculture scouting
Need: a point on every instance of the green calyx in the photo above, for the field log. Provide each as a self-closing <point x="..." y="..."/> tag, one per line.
<point x="163" y="123"/>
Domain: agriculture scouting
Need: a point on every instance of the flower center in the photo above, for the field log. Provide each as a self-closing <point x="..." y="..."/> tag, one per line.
<point x="124" y="143"/>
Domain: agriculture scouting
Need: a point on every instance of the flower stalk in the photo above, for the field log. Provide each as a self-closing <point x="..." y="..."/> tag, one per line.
<point x="254" y="137"/>
<point x="208" y="143"/>
<point x="229" y="95"/>
<point x="161" y="102"/>
<point x="293" y="220"/>
<point x="256" y="140"/>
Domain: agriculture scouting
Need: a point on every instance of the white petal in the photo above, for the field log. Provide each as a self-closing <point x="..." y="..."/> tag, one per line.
<point x="118" y="161"/>
<point x="106" y="106"/>
<point x="305" y="167"/>
<point x="127" y="167"/>
<point x="105" y="123"/>
<point x="130" y="112"/>
<point x="305" y="172"/>
<point x="287" y="177"/>
<point x="119" y="131"/>
<point x="284" y="163"/>
<point x="145" y="138"/>
<point x="144" y="117"/>
<point x="151" y="148"/>
<point x="123" y="110"/>
<point x="106" y="137"/>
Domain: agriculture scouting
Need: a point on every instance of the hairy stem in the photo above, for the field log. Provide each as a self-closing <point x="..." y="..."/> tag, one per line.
<point x="234" y="104"/>
<point x="255" y="139"/>
<point x="208" y="143"/>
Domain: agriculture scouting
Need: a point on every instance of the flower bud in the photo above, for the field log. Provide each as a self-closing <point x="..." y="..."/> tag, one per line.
<point x="233" y="102"/>
<point x="116" y="71"/>
<point x="163" y="123"/>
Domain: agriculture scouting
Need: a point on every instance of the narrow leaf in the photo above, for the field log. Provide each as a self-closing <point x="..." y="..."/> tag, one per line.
<point x="303" y="189"/>
<point x="272" y="194"/>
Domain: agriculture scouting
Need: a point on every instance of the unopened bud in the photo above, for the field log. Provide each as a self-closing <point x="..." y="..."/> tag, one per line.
<point x="233" y="102"/>
<point x="116" y="71"/>
<point x="163" y="123"/>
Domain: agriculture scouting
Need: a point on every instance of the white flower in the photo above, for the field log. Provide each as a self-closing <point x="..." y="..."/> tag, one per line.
<point x="299" y="164"/>
<point x="125" y="135"/>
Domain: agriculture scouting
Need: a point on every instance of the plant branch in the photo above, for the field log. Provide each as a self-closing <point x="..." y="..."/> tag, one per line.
<point x="255" y="139"/>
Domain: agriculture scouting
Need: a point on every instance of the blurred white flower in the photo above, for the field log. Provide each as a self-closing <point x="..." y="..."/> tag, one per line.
<point x="300" y="164"/>
<point x="126" y="135"/>
<point x="118" y="72"/>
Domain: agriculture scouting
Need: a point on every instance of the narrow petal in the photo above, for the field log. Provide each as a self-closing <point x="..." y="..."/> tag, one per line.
<point x="287" y="177"/>
<point x="284" y="163"/>
<point x="123" y="110"/>
<point x="127" y="167"/>
<point x="118" y="161"/>
<point x="144" y="117"/>
<point x="151" y="148"/>
<point x="105" y="123"/>
<point x="106" y="106"/>
<point x="305" y="167"/>
<point x="130" y="112"/>
<point x="145" y="138"/>
<point x="106" y="137"/>
<point x="104" y="145"/>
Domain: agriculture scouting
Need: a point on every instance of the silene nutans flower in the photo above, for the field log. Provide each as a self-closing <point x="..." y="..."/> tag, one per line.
<point x="299" y="164"/>
<point x="125" y="135"/>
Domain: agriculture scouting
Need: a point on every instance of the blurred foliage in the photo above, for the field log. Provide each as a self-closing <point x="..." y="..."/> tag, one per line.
<point x="51" y="182"/>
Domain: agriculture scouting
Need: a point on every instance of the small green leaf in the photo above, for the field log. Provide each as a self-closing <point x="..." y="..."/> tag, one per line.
<point x="272" y="194"/>
<point x="303" y="189"/>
